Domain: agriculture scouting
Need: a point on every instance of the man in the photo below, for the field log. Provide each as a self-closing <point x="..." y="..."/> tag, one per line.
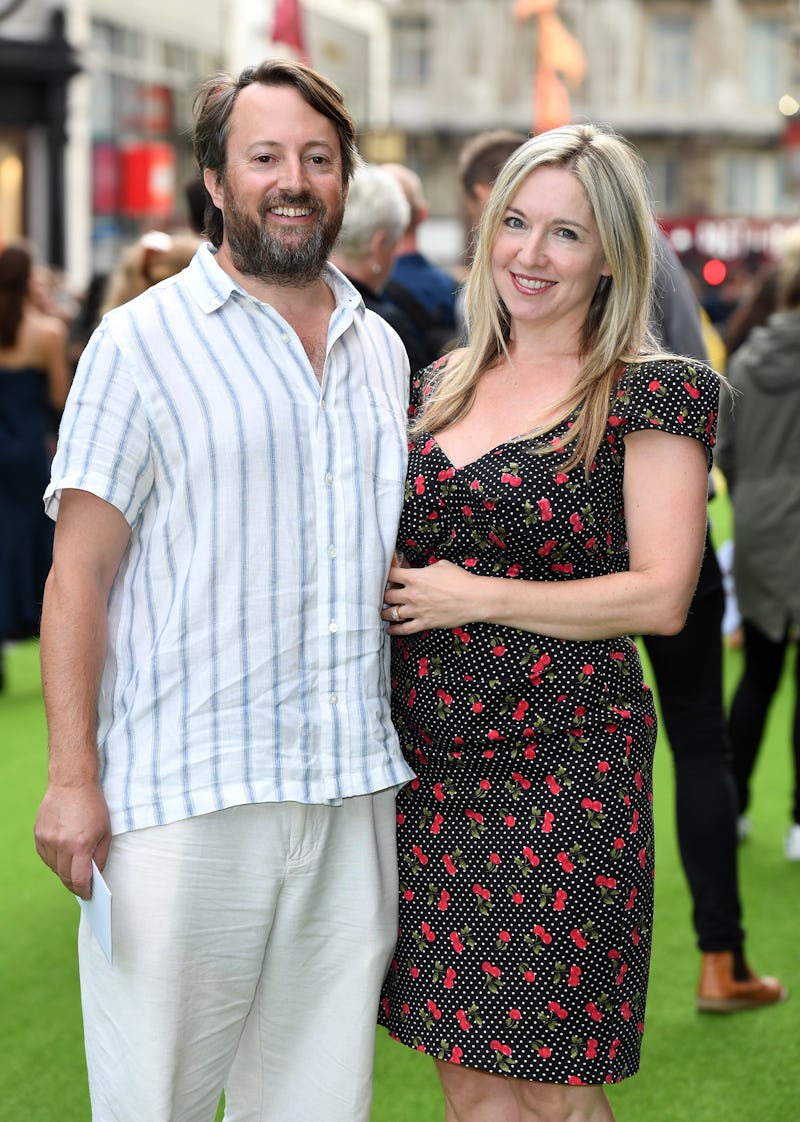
<point x="688" y="673"/>
<point x="228" y="480"/>
<point x="374" y="219"/>
<point x="479" y="163"/>
<point x="423" y="290"/>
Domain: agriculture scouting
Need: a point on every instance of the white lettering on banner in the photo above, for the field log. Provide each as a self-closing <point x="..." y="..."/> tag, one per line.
<point x="727" y="238"/>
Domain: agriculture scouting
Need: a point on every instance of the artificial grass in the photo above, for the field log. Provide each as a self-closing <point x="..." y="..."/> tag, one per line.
<point x="694" y="1068"/>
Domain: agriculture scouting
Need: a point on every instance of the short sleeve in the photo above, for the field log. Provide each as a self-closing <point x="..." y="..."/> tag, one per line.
<point x="420" y="388"/>
<point x="673" y="395"/>
<point x="104" y="437"/>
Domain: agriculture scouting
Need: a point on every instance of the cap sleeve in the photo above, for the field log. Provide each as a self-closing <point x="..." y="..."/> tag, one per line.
<point x="674" y="395"/>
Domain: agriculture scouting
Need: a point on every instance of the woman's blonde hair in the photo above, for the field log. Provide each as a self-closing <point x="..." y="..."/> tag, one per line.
<point x="153" y="258"/>
<point x="616" y="328"/>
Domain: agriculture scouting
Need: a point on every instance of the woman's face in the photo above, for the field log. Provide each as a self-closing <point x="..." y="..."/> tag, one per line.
<point x="547" y="258"/>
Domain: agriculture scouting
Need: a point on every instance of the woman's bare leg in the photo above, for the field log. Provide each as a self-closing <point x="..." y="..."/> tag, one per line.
<point x="476" y="1096"/>
<point x="479" y="1096"/>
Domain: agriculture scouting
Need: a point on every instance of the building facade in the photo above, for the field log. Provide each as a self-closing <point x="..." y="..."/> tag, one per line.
<point x="96" y="95"/>
<point x="706" y="90"/>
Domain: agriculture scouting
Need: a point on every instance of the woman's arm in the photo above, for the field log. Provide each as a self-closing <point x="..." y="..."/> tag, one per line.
<point x="665" y="493"/>
<point x="56" y="361"/>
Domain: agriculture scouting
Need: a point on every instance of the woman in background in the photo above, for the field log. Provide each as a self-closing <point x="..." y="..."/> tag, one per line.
<point x="375" y="217"/>
<point x="34" y="379"/>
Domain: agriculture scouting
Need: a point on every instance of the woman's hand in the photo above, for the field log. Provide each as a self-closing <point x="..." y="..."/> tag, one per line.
<point x="439" y="595"/>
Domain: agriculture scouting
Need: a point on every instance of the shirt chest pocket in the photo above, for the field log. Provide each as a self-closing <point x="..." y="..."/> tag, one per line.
<point x="378" y="448"/>
<point x="379" y="442"/>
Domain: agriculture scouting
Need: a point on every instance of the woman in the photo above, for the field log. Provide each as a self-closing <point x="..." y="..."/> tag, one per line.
<point x="34" y="379"/>
<point x="526" y="843"/>
<point x="375" y="217"/>
<point x="759" y="437"/>
<point x="153" y="258"/>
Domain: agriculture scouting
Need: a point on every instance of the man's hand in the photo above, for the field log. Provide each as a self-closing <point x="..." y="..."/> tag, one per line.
<point x="72" y="827"/>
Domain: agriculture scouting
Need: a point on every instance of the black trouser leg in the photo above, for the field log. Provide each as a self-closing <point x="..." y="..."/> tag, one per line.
<point x="796" y="740"/>
<point x="763" y="663"/>
<point x="688" y="677"/>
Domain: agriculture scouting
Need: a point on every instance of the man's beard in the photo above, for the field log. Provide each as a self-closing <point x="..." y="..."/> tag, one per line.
<point x="296" y="255"/>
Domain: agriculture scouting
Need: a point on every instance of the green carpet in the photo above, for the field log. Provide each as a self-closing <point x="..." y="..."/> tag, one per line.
<point x="694" y="1069"/>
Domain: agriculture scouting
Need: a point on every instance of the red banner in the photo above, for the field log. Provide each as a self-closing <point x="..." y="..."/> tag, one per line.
<point x="147" y="179"/>
<point x="287" y="27"/>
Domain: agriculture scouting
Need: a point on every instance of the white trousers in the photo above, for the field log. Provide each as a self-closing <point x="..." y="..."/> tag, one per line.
<point x="249" y="950"/>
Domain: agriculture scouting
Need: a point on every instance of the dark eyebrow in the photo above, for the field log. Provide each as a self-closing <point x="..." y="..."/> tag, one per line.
<point x="277" y="144"/>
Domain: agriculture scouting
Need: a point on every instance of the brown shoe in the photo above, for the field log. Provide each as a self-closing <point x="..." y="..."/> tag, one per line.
<point x="722" y="991"/>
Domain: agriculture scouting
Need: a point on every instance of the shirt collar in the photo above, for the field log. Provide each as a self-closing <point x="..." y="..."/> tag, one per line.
<point x="212" y="287"/>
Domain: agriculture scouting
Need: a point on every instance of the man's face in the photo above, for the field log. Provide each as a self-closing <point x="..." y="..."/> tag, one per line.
<point x="282" y="195"/>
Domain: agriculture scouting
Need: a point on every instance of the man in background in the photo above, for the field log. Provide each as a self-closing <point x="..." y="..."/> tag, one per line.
<point x="425" y="292"/>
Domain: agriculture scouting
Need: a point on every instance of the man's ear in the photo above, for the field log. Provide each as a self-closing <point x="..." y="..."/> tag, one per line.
<point x="482" y="191"/>
<point x="211" y="180"/>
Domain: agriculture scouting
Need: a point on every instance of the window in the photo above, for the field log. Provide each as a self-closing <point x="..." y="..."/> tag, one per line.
<point x="740" y="184"/>
<point x="664" y="174"/>
<point x="410" y="51"/>
<point x="12" y="186"/>
<point x="115" y="39"/>
<point x="767" y="60"/>
<point x="671" y="59"/>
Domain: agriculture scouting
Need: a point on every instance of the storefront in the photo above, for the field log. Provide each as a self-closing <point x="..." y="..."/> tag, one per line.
<point x="34" y="74"/>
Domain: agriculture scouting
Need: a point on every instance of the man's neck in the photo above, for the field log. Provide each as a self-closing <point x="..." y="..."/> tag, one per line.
<point x="407" y="244"/>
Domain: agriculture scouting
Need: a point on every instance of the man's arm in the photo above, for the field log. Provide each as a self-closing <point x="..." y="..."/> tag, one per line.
<point x="73" y="824"/>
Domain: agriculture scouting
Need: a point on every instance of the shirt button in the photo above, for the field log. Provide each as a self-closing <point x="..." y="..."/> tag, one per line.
<point x="329" y="477"/>
<point x="332" y="551"/>
<point x="284" y="338"/>
<point x="334" y="699"/>
<point x="333" y="626"/>
<point x="323" y="403"/>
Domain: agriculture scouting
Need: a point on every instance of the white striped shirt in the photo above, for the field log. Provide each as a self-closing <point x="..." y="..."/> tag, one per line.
<point x="247" y="661"/>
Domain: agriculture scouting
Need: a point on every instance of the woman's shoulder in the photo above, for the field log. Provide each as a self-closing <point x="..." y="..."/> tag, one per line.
<point x="422" y="381"/>
<point x="676" y="395"/>
<point x="673" y="377"/>
<point x="668" y="367"/>
<point x="455" y="355"/>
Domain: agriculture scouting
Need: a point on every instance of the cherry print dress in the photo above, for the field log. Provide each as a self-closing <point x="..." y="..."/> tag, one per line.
<point x="526" y="841"/>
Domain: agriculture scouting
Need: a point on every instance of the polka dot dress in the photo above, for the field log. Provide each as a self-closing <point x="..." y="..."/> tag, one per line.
<point x="526" y="841"/>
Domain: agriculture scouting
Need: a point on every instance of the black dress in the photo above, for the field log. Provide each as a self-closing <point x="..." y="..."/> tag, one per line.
<point x="26" y="533"/>
<point x="526" y="842"/>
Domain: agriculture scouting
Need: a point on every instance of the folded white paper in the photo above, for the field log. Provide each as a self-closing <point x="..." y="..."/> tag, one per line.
<point x="98" y="911"/>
